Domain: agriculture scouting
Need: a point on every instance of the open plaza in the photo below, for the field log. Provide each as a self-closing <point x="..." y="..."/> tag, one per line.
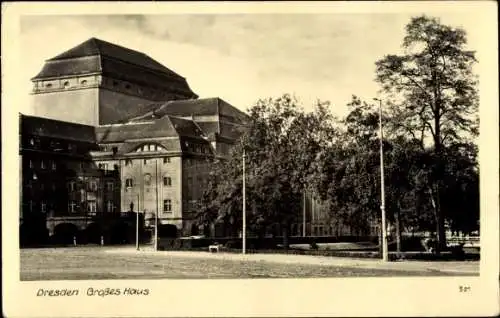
<point x="125" y="262"/>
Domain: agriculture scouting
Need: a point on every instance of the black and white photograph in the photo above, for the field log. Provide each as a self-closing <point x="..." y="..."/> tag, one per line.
<point x="296" y="159"/>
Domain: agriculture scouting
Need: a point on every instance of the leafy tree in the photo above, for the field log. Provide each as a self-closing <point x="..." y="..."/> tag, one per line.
<point x="433" y="96"/>
<point x="281" y="143"/>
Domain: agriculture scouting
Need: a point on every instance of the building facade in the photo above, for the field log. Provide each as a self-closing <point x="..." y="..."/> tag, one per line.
<point x="124" y="133"/>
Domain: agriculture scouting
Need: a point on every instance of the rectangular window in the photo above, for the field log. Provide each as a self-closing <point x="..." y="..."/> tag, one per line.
<point x="93" y="185"/>
<point x="167" y="206"/>
<point x="166" y="159"/>
<point x="32" y="165"/>
<point x="54" y="165"/>
<point x="71" y="206"/>
<point x="109" y="186"/>
<point x="129" y="183"/>
<point x="43" y="207"/>
<point x="110" y="206"/>
<point x="71" y="186"/>
<point x="92" y="206"/>
<point x="42" y="164"/>
<point x="167" y="181"/>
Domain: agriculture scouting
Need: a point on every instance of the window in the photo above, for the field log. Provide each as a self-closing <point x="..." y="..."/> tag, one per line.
<point x="71" y="206"/>
<point x="147" y="179"/>
<point x="103" y="166"/>
<point x="71" y="186"/>
<point x="129" y="183"/>
<point x="110" y="206"/>
<point x="35" y="176"/>
<point x="43" y="207"/>
<point x="167" y="181"/>
<point x="32" y="165"/>
<point x="82" y="165"/>
<point x="93" y="185"/>
<point x="32" y="141"/>
<point x="84" y="82"/>
<point x="146" y="161"/>
<point x="66" y="84"/>
<point x="92" y="206"/>
<point x="42" y="164"/>
<point x="128" y="162"/>
<point x="109" y="185"/>
<point x="54" y="165"/>
<point x="48" y="85"/>
<point x="31" y="205"/>
<point x="167" y="206"/>
<point x="166" y="160"/>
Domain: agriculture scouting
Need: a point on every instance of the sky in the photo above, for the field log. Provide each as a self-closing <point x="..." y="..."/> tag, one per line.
<point x="241" y="57"/>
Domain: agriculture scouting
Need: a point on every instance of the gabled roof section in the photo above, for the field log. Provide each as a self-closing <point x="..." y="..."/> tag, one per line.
<point x="45" y="127"/>
<point x="167" y="126"/>
<point x="195" y="107"/>
<point x="98" y="56"/>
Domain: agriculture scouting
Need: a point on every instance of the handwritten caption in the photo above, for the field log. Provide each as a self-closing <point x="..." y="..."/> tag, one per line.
<point x="93" y="292"/>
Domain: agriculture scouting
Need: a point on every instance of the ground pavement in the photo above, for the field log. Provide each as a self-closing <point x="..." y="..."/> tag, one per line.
<point x="463" y="267"/>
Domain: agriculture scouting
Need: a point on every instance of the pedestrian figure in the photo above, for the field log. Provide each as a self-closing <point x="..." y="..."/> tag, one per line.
<point x="74" y="240"/>
<point x="102" y="240"/>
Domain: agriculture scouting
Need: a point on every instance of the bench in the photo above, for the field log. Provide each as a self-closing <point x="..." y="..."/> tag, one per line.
<point x="214" y="248"/>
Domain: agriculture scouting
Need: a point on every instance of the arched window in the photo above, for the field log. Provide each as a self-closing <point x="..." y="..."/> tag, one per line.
<point x="66" y="84"/>
<point x="84" y="82"/>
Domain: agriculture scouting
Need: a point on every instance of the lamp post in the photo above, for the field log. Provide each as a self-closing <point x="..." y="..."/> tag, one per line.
<point x="385" y="251"/>
<point x="244" y="234"/>
<point x="304" y="214"/>
<point x="136" y="220"/>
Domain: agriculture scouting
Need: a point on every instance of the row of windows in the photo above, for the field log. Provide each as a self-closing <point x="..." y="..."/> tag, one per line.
<point x="73" y="207"/>
<point x="53" y="145"/>
<point x="129" y="182"/>
<point x="129" y="162"/>
<point x="43" y="164"/>
<point x="92" y="185"/>
<point x="66" y="84"/>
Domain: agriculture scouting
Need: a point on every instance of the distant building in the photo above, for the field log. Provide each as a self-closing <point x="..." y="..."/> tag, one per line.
<point x="123" y="133"/>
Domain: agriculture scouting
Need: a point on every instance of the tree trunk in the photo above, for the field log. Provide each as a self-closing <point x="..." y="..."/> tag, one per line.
<point x="398" y="228"/>
<point x="286" y="243"/>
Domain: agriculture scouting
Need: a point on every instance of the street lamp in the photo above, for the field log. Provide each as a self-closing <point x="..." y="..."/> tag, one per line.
<point x="136" y="221"/>
<point x="244" y="234"/>
<point x="385" y="251"/>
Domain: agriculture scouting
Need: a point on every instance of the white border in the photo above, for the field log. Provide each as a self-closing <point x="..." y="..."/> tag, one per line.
<point x="304" y="297"/>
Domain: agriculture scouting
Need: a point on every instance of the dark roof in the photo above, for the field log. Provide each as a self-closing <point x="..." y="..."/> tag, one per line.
<point x="195" y="107"/>
<point x="45" y="127"/>
<point x="98" y="56"/>
<point x="166" y="126"/>
<point x="95" y="46"/>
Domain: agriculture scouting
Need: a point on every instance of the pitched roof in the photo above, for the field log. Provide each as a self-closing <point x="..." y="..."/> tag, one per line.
<point x="94" y="46"/>
<point x="166" y="126"/>
<point x="98" y="56"/>
<point x="195" y="107"/>
<point x="45" y="127"/>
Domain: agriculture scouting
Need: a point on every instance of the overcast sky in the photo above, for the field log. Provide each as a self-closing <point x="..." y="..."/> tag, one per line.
<point x="244" y="57"/>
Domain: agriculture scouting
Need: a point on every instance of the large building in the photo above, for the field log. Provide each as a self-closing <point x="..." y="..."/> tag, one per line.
<point x="116" y="131"/>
